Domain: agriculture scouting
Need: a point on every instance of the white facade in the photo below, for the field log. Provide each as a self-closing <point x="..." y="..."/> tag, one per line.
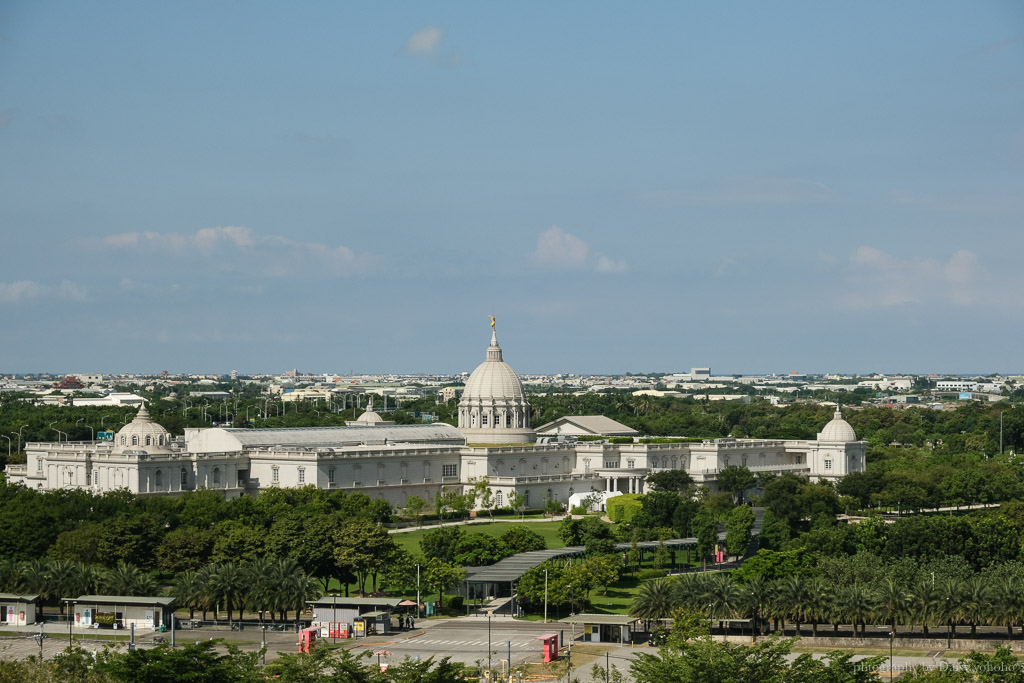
<point x="395" y="462"/>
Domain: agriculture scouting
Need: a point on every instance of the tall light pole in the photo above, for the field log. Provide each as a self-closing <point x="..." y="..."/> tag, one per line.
<point x="334" y="618"/>
<point x="892" y="636"/>
<point x="545" y="599"/>
<point x="102" y="419"/>
<point x="19" y="436"/>
<point x="489" y="642"/>
<point x="92" y="431"/>
<point x="418" y="591"/>
<point x="56" y="430"/>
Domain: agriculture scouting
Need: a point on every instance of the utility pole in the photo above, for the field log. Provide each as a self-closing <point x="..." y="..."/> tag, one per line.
<point x="545" y="596"/>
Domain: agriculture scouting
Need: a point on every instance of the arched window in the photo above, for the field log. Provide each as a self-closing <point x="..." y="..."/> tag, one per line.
<point x="135" y="440"/>
<point x="744" y="460"/>
<point x="216" y="475"/>
<point x="160" y="440"/>
<point x="498" y="501"/>
<point x="123" y="440"/>
<point x="149" y="440"/>
<point x="158" y="478"/>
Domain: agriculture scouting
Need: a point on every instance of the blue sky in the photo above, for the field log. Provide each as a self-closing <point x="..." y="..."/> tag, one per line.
<point x="335" y="186"/>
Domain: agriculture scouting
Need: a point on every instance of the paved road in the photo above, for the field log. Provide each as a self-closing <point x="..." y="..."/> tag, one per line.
<point x="463" y="640"/>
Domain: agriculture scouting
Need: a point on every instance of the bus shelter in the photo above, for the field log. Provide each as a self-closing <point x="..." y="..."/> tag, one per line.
<point x="603" y="628"/>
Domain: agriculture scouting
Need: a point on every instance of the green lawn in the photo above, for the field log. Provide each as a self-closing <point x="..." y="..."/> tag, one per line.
<point x="410" y="540"/>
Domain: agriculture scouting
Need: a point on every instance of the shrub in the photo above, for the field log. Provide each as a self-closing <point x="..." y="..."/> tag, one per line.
<point x="623" y="508"/>
<point x="579" y="510"/>
<point x="454" y="602"/>
<point x="621" y="439"/>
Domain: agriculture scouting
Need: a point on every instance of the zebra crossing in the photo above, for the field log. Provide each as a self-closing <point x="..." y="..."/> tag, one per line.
<point x="518" y="645"/>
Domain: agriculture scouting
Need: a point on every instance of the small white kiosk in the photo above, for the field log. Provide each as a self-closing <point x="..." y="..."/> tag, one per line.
<point x="17" y="610"/>
<point x="119" y="611"/>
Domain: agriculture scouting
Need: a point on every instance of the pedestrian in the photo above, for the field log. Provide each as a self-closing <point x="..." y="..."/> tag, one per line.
<point x="412" y="623"/>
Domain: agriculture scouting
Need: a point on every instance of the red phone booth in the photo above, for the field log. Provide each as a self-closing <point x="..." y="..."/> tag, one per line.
<point x="550" y="644"/>
<point x="307" y="639"/>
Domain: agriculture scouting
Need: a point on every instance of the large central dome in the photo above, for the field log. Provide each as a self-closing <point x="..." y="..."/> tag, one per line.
<point x="494" y="408"/>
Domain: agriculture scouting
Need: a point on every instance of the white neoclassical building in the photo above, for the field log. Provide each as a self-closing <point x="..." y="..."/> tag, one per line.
<point x="395" y="462"/>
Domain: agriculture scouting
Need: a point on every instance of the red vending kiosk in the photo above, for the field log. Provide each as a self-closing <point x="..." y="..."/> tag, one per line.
<point x="307" y="639"/>
<point x="550" y="642"/>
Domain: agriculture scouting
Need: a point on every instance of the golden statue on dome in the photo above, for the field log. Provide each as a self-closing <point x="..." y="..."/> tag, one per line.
<point x="492" y="321"/>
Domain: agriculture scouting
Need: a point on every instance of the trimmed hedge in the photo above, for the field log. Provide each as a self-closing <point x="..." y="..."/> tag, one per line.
<point x="623" y="508"/>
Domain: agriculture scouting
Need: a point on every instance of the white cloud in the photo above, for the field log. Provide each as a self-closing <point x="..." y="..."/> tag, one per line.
<point x="559" y="249"/>
<point x="880" y="279"/>
<point x="271" y="254"/>
<point x="25" y="291"/>
<point x="607" y="265"/>
<point x="424" y="41"/>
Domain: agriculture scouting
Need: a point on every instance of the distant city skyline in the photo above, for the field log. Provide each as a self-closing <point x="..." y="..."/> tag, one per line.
<point x="759" y="188"/>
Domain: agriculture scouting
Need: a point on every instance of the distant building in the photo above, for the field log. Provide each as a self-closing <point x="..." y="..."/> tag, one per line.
<point x="494" y="439"/>
<point x="586" y="425"/>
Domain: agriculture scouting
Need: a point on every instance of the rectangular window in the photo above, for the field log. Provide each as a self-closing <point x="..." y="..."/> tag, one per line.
<point x="302" y="475"/>
<point x="631" y="464"/>
<point x="330" y="476"/>
<point x="276" y="476"/>
<point x="483" y="419"/>
<point x="828" y="464"/>
<point x="39" y="464"/>
<point x="449" y="470"/>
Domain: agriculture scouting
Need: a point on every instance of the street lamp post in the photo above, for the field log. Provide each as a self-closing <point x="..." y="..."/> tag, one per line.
<point x="489" y="642"/>
<point x="92" y="431"/>
<point x="102" y="419"/>
<point x="545" y="597"/>
<point x="418" y="591"/>
<point x="71" y="640"/>
<point x="19" y="436"/>
<point x="892" y="636"/>
<point x="56" y="430"/>
<point x="334" y="618"/>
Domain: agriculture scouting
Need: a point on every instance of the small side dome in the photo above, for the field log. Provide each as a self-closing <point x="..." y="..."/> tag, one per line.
<point x="370" y="418"/>
<point x="142" y="434"/>
<point x="837" y="430"/>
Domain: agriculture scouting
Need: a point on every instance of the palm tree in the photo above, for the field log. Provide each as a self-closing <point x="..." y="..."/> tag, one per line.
<point x="1005" y="604"/>
<point x="820" y="596"/>
<point x="975" y="602"/>
<point x="689" y="591"/>
<point x="190" y="590"/>
<point x="34" y="577"/>
<point x="893" y="602"/>
<point x="858" y="603"/>
<point x="757" y="599"/>
<point x="206" y="600"/>
<point x="227" y="583"/>
<point x="88" y="578"/>
<point x="793" y="599"/>
<point x="654" y="600"/>
<point x="61" y="576"/>
<point x="951" y="599"/>
<point x="723" y="596"/>
<point x="263" y="593"/>
<point x="124" y="579"/>
<point x="924" y="603"/>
